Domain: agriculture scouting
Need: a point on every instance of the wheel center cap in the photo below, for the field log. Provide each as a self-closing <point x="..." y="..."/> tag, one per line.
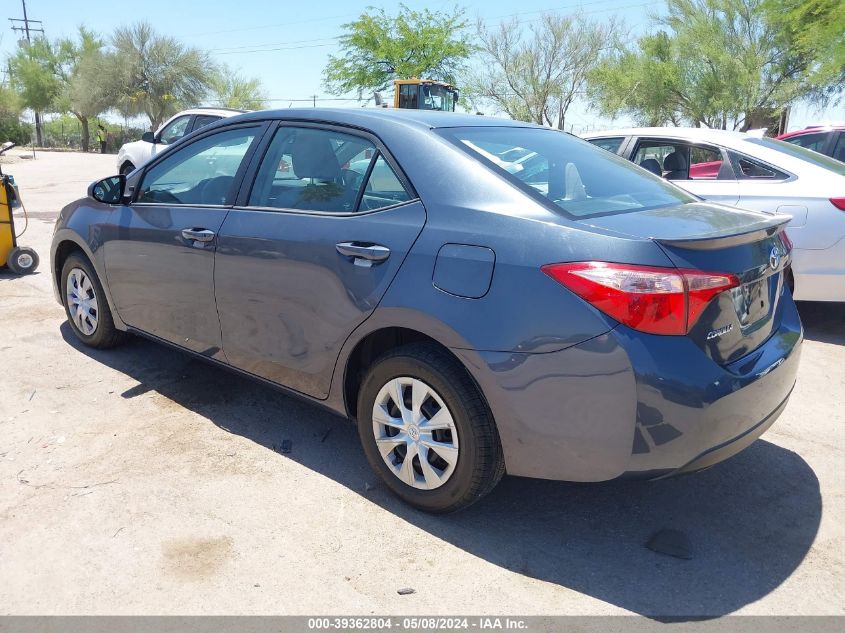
<point x="414" y="432"/>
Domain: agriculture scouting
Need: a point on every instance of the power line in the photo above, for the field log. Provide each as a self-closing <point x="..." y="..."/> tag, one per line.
<point x="26" y="21"/>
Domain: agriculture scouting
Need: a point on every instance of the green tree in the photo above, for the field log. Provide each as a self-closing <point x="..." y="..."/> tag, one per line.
<point x="377" y="47"/>
<point x="156" y="75"/>
<point x="81" y="67"/>
<point x="231" y="90"/>
<point x="535" y="74"/>
<point x="817" y="29"/>
<point x="34" y="78"/>
<point x="719" y="63"/>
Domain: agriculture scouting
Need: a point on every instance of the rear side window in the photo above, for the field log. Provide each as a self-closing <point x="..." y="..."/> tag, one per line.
<point x="749" y="169"/>
<point x="310" y="169"/>
<point x="578" y="178"/>
<point x="201" y="173"/>
<point x="610" y="144"/>
<point x="201" y="120"/>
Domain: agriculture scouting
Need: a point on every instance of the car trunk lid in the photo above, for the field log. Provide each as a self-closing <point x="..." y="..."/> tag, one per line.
<point x="714" y="239"/>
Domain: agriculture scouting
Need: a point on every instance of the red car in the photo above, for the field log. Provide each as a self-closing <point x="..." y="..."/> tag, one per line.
<point x="825" y="139"/>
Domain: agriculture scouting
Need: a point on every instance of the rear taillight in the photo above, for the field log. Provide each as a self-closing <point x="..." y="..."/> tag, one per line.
<point x="645" y="298"/>
<point x="839" y="203"/>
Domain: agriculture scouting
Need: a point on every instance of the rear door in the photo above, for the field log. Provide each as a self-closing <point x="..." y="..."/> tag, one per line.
<point x="309" y="251"/>
<point x="159" y="253"/>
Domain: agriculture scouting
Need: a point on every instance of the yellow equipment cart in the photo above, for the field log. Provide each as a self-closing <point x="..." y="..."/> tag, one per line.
<point x="19" y="259"/>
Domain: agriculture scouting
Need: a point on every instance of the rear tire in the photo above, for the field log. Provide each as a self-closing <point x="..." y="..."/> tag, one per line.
<point x="22" y="260"/>
<point x="443" y="420"/>
<point x="127" y="168"/>
<point x="86" y="305"/>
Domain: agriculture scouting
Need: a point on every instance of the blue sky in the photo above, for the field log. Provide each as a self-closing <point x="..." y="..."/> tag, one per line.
<point x="286" y="44"/>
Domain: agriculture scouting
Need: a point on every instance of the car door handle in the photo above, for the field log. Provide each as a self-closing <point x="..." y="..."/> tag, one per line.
<point x="363" y="251"/>
<point x="198" y="235"/>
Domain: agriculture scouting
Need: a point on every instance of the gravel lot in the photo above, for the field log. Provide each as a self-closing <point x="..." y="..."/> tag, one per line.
<point x="141" y="481"/>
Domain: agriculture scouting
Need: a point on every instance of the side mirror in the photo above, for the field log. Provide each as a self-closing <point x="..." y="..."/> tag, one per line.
<point x="108" y="190"/>
<point x="148" y="137"/>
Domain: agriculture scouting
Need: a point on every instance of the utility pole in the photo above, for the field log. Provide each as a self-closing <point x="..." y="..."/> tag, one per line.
<point x="27" y="30"/>
<point x="314" y="97"/>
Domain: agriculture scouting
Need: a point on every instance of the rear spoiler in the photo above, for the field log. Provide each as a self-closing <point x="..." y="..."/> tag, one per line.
<point x="763" y="230"/>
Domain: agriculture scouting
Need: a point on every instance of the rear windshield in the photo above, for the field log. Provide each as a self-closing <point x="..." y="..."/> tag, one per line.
<point x="580" y="179"/>
<point x="807" y="155"/>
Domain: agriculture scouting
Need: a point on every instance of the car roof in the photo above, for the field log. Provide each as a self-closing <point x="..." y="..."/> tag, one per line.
<point x="225" y="112"/>
<point x="687" y="133"/>
<point x="374" y="118"/>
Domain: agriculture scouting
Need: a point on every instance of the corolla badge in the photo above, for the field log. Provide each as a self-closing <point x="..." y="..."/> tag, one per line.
<point x="774" y="258"/>
<point x="720" y="331"/>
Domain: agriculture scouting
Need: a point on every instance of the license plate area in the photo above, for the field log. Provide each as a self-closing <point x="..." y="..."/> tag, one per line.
<point x="753" y="301"/>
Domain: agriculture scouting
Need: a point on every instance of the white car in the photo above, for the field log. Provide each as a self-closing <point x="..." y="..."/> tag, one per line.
<point x="751" y="172"/>
<point x="134" y="154"/>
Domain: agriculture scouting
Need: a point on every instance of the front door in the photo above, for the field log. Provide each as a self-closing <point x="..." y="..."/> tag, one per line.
<point x="310" y="253"/>
<point x="159" y="253"/>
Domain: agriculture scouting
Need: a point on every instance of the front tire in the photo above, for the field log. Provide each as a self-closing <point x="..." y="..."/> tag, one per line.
<point x="427" y="431"/>
<point x="127" y="168"/>
<point x="22" y="260"/>
<point x="86" y="305"/>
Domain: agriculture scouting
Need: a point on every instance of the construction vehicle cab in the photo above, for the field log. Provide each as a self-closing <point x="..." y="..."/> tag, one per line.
<point x="424" y="94"/>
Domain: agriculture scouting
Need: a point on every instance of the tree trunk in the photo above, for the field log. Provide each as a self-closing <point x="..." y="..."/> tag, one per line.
<point x="86" y="136"/>
<point x="39" y="140"/>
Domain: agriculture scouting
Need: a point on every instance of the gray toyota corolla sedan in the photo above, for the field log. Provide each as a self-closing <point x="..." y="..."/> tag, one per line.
<point x="481" y="296"/>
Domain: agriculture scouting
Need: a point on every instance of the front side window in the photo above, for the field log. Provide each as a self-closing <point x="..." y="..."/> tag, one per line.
<point x="174" y="130"/>
<point x="814" y="142"/>
<point x="201" y="173"/>
<point x="839" y="150"/>
<point x="610" y="144"/>
<point x="310" y="169"/>
<point x="663" y="158"/>
<point x="576" y="177"/>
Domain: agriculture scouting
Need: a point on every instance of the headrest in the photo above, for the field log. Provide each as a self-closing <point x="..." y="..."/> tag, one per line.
<point x="312" y="157"/>
<point x="652" y="165"/>
<point x="675" y="162"/>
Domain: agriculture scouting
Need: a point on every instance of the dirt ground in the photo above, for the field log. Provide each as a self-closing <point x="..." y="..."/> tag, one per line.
<point x="141" y="481"/>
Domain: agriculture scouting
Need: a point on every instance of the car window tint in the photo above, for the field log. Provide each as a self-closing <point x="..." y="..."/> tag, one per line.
<point x="201" y="120"/>
<point x="174" y="130"/>
<point x="839" y="150"/>
<point x="705" y="163"/>
<point x="751" y="169"/>
<point x="576" y="177"/>
<point x="814" y="142"/>
<point x="383" y="188"/>
<point x="312" y="170"/>
<point x="200" y="173"/>
<point x="610" y="144"/>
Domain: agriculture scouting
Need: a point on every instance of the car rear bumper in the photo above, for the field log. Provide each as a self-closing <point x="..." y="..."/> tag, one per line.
<point x="627" y="404"/>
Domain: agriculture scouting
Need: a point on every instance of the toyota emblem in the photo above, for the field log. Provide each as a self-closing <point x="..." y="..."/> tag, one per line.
<point x="774" y="258"/>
